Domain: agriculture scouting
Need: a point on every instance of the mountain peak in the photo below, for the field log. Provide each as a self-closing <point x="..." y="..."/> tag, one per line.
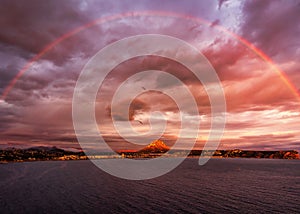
<point x="156" y="146"/>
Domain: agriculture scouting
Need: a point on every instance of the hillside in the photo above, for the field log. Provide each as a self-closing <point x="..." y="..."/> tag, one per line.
<point x="156" y="146"/>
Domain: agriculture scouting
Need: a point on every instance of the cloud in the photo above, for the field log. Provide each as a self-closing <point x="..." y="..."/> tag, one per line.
<point x="38" y="108"/>
<point x="221" y="2"/>
<point x="266" y="23"/>
<point x="224" y="55"/>
<point x="27" y="23"/>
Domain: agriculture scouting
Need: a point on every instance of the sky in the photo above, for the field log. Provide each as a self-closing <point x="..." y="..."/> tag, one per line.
<point x="253" y="46"/>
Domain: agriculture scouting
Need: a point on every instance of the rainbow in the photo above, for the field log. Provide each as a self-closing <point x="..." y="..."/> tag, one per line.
<point x="102" y="20"/>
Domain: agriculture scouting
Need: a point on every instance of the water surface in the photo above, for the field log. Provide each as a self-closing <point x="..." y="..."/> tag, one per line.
<point x="222" y="185"/>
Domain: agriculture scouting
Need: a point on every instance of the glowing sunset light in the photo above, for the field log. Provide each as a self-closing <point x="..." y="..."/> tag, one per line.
<point x="259" y="79"/>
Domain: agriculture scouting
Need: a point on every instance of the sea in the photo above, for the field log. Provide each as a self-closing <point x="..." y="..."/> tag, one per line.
<point x="221" y="186"/>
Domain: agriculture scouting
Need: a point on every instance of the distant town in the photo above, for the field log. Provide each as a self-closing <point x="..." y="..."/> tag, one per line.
<point x="153" y="150"/>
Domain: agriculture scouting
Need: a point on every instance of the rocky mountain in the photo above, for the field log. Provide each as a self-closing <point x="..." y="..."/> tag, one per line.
<point x="156" y="146"/>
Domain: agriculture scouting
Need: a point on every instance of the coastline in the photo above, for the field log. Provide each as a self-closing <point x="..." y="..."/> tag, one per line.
<point x="56" y="154"/>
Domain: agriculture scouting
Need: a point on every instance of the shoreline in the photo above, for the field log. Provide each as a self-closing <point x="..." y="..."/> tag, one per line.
<point x="114" y="158"/>
<point x="56" y="154"/>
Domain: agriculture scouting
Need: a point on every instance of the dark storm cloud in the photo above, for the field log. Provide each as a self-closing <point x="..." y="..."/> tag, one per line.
<point x="11" y="60"/>
<point x="31" y="25"/>
<point x="39" y="110"/>
<point x="39" y="96"/>
<point x="8" y="115"/>
<point x="221" y="2"/>
<point x="44" y="81"/>
<point x="274" y="26"/>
